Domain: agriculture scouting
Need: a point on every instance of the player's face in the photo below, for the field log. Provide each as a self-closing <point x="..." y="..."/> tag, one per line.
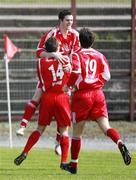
<point x="67" y="22"/>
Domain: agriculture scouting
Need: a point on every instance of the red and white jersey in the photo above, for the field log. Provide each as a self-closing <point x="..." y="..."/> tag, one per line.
<point x="90" y="69"/>
<point x="67" y="44"/>
<point x="51" y="75"/>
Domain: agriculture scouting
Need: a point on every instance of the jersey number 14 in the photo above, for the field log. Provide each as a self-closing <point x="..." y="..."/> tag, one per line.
<point x="58" y="74"/>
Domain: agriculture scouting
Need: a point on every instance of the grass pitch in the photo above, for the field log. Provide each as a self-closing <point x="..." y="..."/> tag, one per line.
<point x="43" y="164"/>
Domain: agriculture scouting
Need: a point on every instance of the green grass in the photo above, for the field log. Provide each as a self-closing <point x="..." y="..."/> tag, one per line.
<point x="42" y="164"/>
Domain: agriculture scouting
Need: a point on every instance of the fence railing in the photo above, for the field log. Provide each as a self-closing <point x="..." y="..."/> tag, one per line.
<point x="114" y="27"/>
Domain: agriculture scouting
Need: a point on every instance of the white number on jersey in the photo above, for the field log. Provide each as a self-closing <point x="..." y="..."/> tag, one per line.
<point x="58" y="74"/>
<point x="91" y="66"/>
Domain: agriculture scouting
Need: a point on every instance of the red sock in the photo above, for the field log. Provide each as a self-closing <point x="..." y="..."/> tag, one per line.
<point x="33" y="138"/>
<point x="75" y="149"/>
<point x="64" y="143"/>
<point x="114" y="135"/>
<point x="29" y="112"/>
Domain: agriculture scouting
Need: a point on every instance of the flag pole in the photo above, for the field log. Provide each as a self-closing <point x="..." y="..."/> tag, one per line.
<point x="10" y="50"/>
<point x="8" y="99"/>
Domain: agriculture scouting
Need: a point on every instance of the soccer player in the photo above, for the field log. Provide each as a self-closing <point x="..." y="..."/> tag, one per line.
<point x="89" y="74"/>
<point x="54" y="102"/>
<point x="68" y="42"/>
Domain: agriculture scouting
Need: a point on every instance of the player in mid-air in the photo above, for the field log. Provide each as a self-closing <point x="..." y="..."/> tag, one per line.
<point x="54" y="102"/>
<point x="89" y="74"/>
<point x="68" y="41"/>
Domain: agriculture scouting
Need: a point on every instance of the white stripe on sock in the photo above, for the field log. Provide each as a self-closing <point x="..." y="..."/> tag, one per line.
<point x="25" y="121"/>
<point x="119" y="141"/>
<point x="74" y="160"/>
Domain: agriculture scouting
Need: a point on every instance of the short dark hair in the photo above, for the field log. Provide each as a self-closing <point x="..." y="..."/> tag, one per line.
<point x="86" y="38"/>
<point x="51" y="44"/>
<point x="63" y="13"/>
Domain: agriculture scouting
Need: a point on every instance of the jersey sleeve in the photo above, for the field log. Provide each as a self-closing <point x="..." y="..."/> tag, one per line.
<point x="41" y="47"/>
<point x="38" y="71"/>
<point x="40" y="82"/>
<point x="105" y="75"/>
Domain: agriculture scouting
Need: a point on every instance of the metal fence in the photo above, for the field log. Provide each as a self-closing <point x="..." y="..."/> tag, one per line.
<point x="114" y="26"/>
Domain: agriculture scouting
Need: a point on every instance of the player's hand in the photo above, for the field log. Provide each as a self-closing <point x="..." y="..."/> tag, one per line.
<point x="59" y="57"/>
<point x="65" y="89"/>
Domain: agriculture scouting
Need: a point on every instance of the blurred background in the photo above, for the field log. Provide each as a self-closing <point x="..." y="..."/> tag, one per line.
<point x="113" y="23"/>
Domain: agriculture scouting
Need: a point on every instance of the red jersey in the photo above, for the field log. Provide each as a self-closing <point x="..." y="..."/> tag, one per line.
<point x="90" y="69"/>
<point x="51" y="75"/>
<point x="66" y="44"/>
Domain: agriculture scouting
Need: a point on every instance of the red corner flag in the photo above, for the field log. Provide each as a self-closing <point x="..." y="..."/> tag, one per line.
<point x="10" y="48"/>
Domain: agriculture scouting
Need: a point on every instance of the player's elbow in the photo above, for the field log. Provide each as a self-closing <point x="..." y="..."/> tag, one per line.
<point x="106" y="76"/>
<point x="38" y="53"/>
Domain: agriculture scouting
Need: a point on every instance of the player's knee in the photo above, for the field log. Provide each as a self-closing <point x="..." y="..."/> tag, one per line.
<point x="41" y="129"/>
<point x="63" y="131"/>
